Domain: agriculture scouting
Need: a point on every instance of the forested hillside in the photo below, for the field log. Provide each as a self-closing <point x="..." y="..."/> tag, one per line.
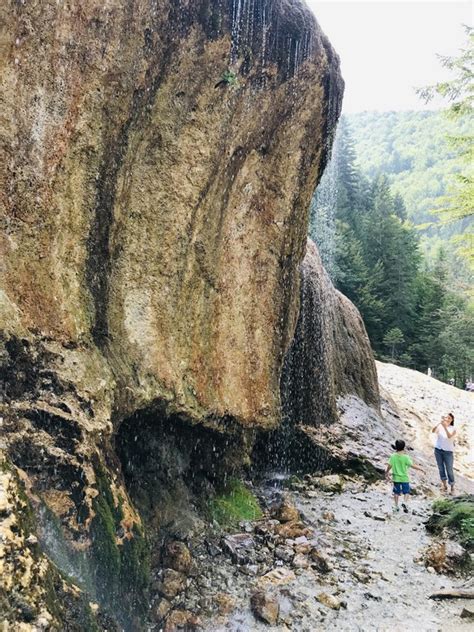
<point x="416" y="311"/>
<point x="413" y="151"/>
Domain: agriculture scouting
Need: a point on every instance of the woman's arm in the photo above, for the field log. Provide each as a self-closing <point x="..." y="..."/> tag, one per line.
<point x="435" y="428"/>
<point x="450" y="434"/>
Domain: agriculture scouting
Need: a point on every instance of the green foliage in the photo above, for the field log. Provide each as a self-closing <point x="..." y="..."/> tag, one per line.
<point x="458" y="515"/>
<point x="412" y="150"/>
<point x="230" y="78"/>
<point x="234" y="504"/>
<point x="412" y="309"/>
<point x="135" y="563"/>
<point x="106" y="554"/>
<point x="460" y="89"/>
<point x="458" y="203"/>
<point x="393" y="339"/>
<point x="429" y="156"/>
<point x="419" y="153"/>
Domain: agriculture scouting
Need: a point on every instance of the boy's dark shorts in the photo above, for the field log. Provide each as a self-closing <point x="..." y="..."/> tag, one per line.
<point x="401" y="488"/>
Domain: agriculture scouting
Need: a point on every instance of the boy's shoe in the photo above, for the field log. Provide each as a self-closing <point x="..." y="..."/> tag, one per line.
<point x="395" y="508"/>
<point x="405" y="508"/>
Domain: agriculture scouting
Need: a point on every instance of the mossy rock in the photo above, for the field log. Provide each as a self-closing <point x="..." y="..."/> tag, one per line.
<point x="121" y="570"/>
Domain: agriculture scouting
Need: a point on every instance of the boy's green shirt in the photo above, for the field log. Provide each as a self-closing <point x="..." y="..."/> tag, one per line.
<point x="400" y="463"/>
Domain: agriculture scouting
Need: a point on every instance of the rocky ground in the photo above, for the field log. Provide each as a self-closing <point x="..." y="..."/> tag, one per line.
<point x="330" y="554"/>
<point x="359" y="567"/>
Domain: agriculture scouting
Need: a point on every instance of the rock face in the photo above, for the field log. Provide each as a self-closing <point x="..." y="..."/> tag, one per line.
<point x="158" y="161"/>
<point x="330" y="355"/>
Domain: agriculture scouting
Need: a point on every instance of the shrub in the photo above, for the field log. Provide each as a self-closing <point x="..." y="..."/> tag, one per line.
<point x="456" y="514"/>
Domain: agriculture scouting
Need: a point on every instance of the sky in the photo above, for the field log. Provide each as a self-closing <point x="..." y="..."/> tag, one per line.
<point x="389" y="47"/>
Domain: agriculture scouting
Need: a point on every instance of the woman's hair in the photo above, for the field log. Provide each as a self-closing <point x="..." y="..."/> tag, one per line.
<point x="452" y="418"/>
<point x="399" y="445"/>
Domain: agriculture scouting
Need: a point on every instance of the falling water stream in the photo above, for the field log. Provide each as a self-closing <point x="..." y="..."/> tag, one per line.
<point x="322" y="211"/>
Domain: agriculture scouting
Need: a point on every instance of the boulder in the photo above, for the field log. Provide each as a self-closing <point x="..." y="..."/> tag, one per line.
<point x="446" y="556"/>
<point x="330" y="354"/>
<point x="277" y="577"/>
<point x="300" y="561"/>
<point x="178" y="557"/>
<point x="329" y="600"/>
<point x="160" y="166"/>
<point x="265" y="606"/>
<point x="284" y="553"/>
<point x="240" y="546"/>
<point x="182" y="620"/>
<point x="172" y="583"/>
<point x="330" y="483"/>
<point x="157" y="212"/>
<point x="286" y="511"/>
<point x="292" y="530"/>
<point x="225" y="603"/>
<point x="160" y="610"/>
<point x="320" y="562"/>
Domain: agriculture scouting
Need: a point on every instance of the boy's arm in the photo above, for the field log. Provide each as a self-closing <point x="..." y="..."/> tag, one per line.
<point x="417" y="467"/>
<point x="387" y="471"/>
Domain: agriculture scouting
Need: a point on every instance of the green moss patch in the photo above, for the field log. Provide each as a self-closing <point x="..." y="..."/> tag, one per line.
<point x="122" y="571"/>
<point x="235" y="503"/>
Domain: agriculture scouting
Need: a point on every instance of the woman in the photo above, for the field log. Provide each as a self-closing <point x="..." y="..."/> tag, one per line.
<point x="444" y="450"/>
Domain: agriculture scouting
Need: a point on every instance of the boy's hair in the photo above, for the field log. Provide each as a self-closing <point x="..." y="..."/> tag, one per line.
<point x="399" y="445"/>
<point x="452" y="419"/>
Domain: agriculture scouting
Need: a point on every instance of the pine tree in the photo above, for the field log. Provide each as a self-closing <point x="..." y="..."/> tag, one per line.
<point x="458" y="204"/>
<point x="393" y="339"/>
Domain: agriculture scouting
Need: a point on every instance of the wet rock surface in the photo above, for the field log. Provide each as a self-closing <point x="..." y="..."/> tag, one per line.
<point x="330" y="354"/>
<point x="159" y="159"/>
<point x="160" y="169"/>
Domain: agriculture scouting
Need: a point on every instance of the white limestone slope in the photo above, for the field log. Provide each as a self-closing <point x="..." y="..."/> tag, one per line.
<point x="421" y="401"/>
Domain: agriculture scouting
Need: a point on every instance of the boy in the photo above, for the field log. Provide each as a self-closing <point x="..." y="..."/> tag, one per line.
<point x="400" y="463"/>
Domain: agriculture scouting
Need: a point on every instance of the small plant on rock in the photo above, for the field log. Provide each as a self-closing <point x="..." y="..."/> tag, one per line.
<point x="229" y="78"/>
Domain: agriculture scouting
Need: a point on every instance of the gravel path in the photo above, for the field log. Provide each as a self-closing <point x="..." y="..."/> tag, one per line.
<point x="376" y="570"/>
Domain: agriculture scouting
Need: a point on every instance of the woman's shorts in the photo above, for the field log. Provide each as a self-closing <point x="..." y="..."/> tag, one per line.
<point x="401" y="488"/>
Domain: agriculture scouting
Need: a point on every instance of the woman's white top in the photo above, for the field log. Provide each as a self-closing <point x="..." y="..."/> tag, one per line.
<point x="442" y="440"/>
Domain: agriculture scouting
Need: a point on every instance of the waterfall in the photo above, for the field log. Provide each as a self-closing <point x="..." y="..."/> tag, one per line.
<point x="323" y="211"/>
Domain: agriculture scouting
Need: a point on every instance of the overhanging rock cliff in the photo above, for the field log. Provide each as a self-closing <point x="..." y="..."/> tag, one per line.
<point x="330" y="355"/>
<point x="158" y="160"/>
